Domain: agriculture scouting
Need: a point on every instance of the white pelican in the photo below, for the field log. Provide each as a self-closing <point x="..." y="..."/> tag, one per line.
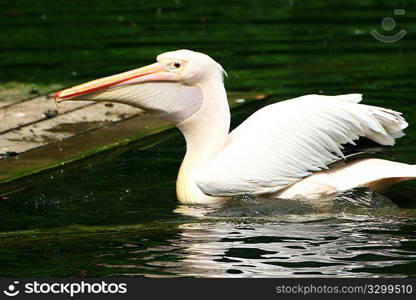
<point x="284" y="150"/>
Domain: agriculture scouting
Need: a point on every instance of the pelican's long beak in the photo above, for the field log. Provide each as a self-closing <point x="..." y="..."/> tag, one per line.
<point x="153" y="72"/>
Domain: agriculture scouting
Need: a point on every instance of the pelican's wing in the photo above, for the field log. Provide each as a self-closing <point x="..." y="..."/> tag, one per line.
<point x="286" y="141"/>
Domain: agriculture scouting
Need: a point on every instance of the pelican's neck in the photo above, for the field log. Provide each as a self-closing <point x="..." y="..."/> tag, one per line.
<point x="205" y="134"/>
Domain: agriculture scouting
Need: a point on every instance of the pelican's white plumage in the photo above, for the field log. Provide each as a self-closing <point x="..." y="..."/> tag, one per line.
<point x="286" y="149"/>
<point x="289" y="140"/>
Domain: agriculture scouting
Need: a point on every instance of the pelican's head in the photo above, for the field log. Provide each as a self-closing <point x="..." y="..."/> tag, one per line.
<point x="169" y="88"/>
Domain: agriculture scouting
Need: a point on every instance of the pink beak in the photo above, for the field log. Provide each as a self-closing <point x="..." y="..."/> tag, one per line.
<point x="153" y="72"/>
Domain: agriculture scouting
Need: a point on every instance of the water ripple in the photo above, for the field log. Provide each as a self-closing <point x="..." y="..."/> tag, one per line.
<point x="341" y="247"/>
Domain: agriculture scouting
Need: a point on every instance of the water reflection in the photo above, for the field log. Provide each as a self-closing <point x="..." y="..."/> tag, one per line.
<point x="309" y="248"/>
<point x="310" y="245"/>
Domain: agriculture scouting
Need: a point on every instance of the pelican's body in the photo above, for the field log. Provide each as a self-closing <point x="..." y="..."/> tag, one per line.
<point x="283" y="150"/>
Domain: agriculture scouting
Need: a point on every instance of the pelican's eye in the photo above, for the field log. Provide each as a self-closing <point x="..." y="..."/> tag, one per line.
<point x="174" y="66"/>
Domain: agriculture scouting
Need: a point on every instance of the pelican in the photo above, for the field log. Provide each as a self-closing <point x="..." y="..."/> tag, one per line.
<point x="300" y="147"/>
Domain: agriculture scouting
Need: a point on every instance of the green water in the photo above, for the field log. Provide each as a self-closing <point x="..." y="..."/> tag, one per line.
<point x="120" y="217"/>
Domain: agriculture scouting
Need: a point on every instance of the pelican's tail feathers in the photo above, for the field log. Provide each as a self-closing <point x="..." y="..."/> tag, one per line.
<point x="377" y="174"/>
<point x="382" y="184"/>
